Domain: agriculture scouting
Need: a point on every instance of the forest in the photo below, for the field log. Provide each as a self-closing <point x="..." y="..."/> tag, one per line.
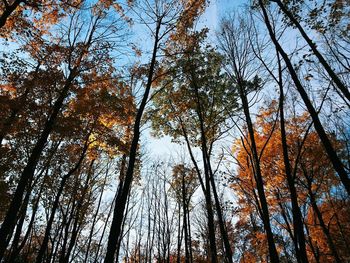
<point x="175" y="131"/>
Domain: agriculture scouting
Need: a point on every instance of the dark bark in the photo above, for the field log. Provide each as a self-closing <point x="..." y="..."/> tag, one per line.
<point x="27" y="174"/>
<point x="31" y="223"/>
<point x="78" y="217"/>
<point x="341" y="86"/>
<point x="318" y="213"/>
<point x="258" y="176"/>
<point x="55" y="205"/>
<point x="337" y="164"/>
<point x="314" y="249"/>
<point x="209" y="176"/>
<point x="99" y="245"/>
<point x="179" y="237"/>
<point x="94" y="219"/>
<point x="299" y="236"/>
<point x="235" y="46"/>
<point x="9" y="9"/>
<point x="122" y="176"/>
<point x="26" y="177"/>
<point x="221" y="220"/>
<point x="67" y="224"/>
<point x="228" y="251"/>
<point x="119" y="209"/>
<point x="185" y="227"/>
<point x="189" y="233"/>
<point x="14" y="246"/>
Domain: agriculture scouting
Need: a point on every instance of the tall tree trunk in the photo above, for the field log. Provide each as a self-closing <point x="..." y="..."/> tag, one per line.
<point x="341" y="86"/>
<point x="185" y="218"/>
<point x="222" y="224"/>
<point x="67" y="225"/>
<point x="318" y="213"/>
<point x="258" y="177"/>
<point x="94" y="219"/>
<point x="209" y="173"/>
<point x="99" y="245"/>
<point x="210" y="215"/>
<point x="337" y="164"/>
<point x="314" y="250"/>
<point x="78" y="217"/>
<point x="26" y="177"/>
<point x="45" y="241"/>
<point x="122" y="176"/>
<point x="299" y="236"/>
<point x="179" y="237"/>
<point x="189" y="232"/>
<point x="120" y="203"/>
<point x="16" y="238"/>
<point x="31" y="223"/>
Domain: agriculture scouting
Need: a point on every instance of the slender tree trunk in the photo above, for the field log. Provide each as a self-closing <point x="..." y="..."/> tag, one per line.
<point x="55" y="245"/>
<point x="210" y="215"/>
<point x="337" y="164"/>
<point x="8" y="11"/>
<point x="122" y="176"/>
<point x="95" y="218"/>
<point x="189" y="232"/>
<point x="341" y="86"/>
<point x="299" y="236"/>
<point x="104" y="230"/>
<point x="222" y="224"/>
<point x="67" y="226"/>
<point x="31" y="223"/>
<point x="119" y="209"/>
<point x="258" y="178"/>
<point x="314" y="250"/>
<point x="179" y="237"/>
<point x="318" y="213"/>
<point x="26" y="177"/>
<point x="45" y="242"/>
<point x="185" y="218"/>
<point x="78" y="217"/>
<point x="16" y="238"/>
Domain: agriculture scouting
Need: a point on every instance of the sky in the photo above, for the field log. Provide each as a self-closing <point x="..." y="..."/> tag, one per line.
<point x="218" y="9"/>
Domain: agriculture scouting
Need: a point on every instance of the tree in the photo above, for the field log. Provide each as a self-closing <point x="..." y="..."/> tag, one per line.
<point x="184" y="184"/>
<point x="14" y="17"/>
<point x="332" y="154"/>
<point x="163" y="16"/>
<point x="304" y="151"/>
<point x="235" y="44"/>
<point x="196" y="73"/>
<point x="74" y="51"/>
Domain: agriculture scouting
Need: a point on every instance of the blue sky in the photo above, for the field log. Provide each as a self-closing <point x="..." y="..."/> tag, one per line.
<point x="218" y="9"/>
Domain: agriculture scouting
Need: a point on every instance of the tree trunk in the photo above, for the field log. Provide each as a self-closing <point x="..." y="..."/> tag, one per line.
<point x="78" y="217"/>
<point x="45" y="242"/>
<point x="95" y="218"/>
<point x="318" y="213"/>
<point x="26" y="177"/>
<point x="258" y="177"/>
<point x="8" y="11"/>
<point x="341" y="86"/>
<point x="119" y="209"/>
<point x="185" y="218"/>
<point x="297" y="217"/>
<point x="337" y="164"/>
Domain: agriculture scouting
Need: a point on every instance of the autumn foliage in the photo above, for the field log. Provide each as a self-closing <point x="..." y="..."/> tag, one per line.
<point x="174" y="131"/>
